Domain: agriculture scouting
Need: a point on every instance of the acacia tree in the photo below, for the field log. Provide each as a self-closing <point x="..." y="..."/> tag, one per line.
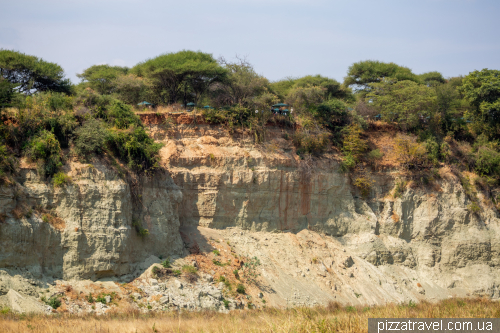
<point x="332" y="88"/>
<point x="361" y="74"/>
<point x="31" y="74"/>
<point x="405" y="102"/>
<point x="102" y="78"/>
<point x="172" y="74"/>
<point x="131" y="89"/>
<point x="241" y="86"/>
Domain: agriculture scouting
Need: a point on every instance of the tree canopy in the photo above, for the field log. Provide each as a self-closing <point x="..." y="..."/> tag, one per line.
<point x="242" y="84"/>
<point x="482" y="90"/>
<point x="432" y="78"/>
<point x="102" y="78"/>
<point x="31" y="74"/>
<point x="178" y="74"/>
<point x="361" y="74"/>
<point x="405" y="102"/>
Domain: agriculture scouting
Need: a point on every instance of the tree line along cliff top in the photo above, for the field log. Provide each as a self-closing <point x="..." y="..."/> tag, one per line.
<point x="429" y="120"/>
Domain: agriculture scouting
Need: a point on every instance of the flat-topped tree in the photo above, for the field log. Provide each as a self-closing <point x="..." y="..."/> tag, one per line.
<point x="361" y="74"/>
<point x="31" y="74"/>
<point x="102" y="78"/>
<point x="175" y="74"/>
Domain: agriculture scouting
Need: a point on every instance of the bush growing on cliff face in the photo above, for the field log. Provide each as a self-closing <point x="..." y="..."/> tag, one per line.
<point x="45" y="149"/>
<point x="90" y="138"/>
<point x="61" y="179"/>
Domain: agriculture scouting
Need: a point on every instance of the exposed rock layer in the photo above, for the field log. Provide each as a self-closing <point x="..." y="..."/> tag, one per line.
<point x="317" y="238"/>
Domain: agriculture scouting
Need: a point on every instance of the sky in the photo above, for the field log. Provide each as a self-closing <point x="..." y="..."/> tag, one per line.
<point x="280" y="38"/>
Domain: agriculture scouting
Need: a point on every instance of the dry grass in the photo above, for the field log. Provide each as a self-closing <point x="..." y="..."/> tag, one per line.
<point x="333" y="318"/>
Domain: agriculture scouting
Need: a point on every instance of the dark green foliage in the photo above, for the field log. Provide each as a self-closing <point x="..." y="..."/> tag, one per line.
<point x="487" y="161"/>
<point x="54" y="302"/>
<point x="176" y="74"/>
<point x="362" y="73"/>
<point x="101" y="298"/>
<point x="45" y="149"/>
<point x="90" y="138"/>
<point x="234" y="116"/>
<point x="31" y="74"/>
<point x="121" y="115"/>
<point x="6" y="93"/>
<point x="333" y="113"/>
<point x="8" y="163"/>
<point x="90" y="298"/>
<point x="240" y="289"/>
<point x="136" y="148"/>
<point x="482" y="90"/>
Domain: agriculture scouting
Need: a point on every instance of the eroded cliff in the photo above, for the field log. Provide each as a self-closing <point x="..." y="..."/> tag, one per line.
<point x="317" y="238"/>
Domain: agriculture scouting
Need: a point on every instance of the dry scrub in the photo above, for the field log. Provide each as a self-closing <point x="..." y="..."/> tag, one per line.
<point x="333" y="318"/>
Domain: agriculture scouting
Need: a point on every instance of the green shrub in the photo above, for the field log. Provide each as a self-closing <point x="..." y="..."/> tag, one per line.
<point x="216" y="252"/>
<point x="121" y="115"/>
<point x="189" y="269"/>
<point x="61" y="179"/>
<point x="240" y="289"/>
<point x="487" y="161"/>
<point x="410" y="153"/>
<point x="375" y="154"/>
<point x="364" y="185"/>
<point x="90" y="138"/>
<point x="353" y="144"/>
<point x="54" y="302"/>
<point x="236" y="274"/>
<point x="176" y="272"/>
<point x="8" y="163"/>
<point x="166" y="263"/>
<point x="136" y="148"/>
<point x="139" y="229"/>
<point x="348" y="163"/>
<point x="333" y="113"/>
<point x="310" y="143"/>
<point x="45" y="149"/>
<point x="90" y="298"/>
<point x="101" y="299"/>
<point x="399" y="188"/>
<point x="226" y="303"/>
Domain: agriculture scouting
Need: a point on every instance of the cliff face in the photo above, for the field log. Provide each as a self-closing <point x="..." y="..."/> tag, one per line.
<point x="85" y="229"/>
<point x="317" y="238"/>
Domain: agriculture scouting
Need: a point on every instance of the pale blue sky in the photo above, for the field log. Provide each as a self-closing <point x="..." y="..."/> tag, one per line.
<point x="279" y="37"/>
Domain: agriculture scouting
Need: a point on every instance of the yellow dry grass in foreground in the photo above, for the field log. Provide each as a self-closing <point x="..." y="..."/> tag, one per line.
<point x="333" y="318"/>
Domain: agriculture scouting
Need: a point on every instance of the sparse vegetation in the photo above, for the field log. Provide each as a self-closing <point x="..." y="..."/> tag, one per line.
<point x="364" y="186"/>
<point x="240" y="289"/>
<point x="61" y="179"/>
<point x="142" y="232"/>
